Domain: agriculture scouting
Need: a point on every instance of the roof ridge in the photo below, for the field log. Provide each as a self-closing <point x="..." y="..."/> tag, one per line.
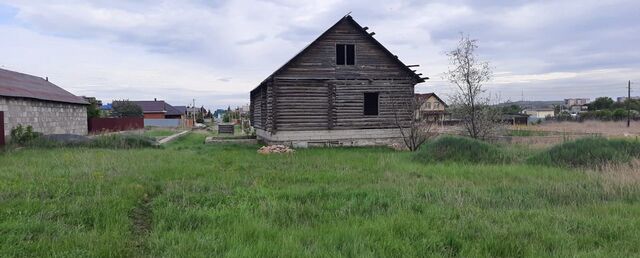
<point x="347" y="17"/>
<point x="24" y="74"/>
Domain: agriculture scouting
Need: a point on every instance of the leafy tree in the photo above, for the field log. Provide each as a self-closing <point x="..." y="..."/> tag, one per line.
<point x="93" y="110"/>
<point x="512" y="109"/>
<point x="605" y="114"/>
<point x="619" y="114"/>
<point x="126" y="108"/>
<point x="601" y="103"/>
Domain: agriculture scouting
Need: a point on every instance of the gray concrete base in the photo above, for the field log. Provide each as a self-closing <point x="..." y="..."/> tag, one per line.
<point x="329" y="138"/>
<point x="215" y="140"/>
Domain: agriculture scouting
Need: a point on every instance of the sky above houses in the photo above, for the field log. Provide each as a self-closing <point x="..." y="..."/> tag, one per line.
<point x="217" y="51"/>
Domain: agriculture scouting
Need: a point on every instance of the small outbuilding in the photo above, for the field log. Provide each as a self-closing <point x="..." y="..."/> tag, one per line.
<point x="30" y="100"/>
<point x="345" y="88"/>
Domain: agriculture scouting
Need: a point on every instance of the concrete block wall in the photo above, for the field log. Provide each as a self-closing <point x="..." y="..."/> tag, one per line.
<point x="44" y="116"/>
<point x="327" y="138"/>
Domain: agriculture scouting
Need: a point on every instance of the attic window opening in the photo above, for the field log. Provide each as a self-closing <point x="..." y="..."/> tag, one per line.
<point x="345" y="54"/>
<point x="371" y="103"/>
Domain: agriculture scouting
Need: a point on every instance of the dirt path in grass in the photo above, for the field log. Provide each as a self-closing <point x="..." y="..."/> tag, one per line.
<point x="142" y="223"/>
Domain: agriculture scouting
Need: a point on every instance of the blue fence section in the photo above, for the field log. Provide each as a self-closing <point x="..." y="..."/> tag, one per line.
<point x="162" y="122"/>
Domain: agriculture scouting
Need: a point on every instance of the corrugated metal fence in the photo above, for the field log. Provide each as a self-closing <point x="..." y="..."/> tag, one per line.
<point x="100" y="125"/>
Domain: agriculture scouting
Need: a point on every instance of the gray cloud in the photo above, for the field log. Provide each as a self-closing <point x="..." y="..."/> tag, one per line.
<point x="197" y="46"/>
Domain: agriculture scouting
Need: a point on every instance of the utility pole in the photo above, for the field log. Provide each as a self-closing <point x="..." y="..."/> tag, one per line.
<point x="193" y="112"/>
<point x="629" y="104"/>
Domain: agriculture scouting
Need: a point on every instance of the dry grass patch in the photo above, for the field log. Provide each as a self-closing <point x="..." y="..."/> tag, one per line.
<point x="608" y="129"/>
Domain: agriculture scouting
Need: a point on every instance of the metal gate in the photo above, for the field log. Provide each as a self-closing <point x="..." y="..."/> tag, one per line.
<point x="1" y="128"/>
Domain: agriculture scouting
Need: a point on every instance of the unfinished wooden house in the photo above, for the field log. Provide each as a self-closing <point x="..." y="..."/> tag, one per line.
<point x="345" y="88"/>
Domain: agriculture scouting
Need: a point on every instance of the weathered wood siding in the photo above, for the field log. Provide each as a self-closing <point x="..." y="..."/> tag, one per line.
<point x="313" y="93"/>
<point x="319" y="61"/>
<point x="349" y="103"/>
<point x="301" y="105"/>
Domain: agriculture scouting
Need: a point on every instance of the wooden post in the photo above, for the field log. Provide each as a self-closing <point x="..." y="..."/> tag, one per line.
<point x="629" y="104"/>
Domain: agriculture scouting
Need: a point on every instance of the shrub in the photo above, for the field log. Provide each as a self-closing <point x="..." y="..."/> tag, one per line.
<point x="619" y="114"/>
<point x="593" y="152"/>
<point x="460" y="149"/>
<point x="23" y="135"/>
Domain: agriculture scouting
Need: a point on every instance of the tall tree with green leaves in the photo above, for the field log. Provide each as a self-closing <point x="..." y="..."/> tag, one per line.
<point x="126" y="108"/>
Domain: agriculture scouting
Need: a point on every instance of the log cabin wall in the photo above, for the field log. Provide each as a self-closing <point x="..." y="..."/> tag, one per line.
<point x="311" y="92"/>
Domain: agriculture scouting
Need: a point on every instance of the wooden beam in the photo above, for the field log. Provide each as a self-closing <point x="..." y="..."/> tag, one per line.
<point x="413" y="65"/>
<point x="372" y="33"/>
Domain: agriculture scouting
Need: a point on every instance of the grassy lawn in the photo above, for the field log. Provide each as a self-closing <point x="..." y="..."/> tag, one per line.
<point x="160" y="132"/>
<point x="189" y="199"/>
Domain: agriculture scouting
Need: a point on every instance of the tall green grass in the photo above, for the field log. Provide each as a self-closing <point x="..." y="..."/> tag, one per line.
<point x="592" y="152"/>
<point x="113" y="141"/>
<point x="190" y="199"/>
<point x="463" y="150"/>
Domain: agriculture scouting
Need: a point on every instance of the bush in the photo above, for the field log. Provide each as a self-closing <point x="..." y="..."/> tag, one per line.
<point x="619" y="114"/>
<point x="593" y="152"/>
<point x="22" y="135"/>
<point x="460" y="149"/>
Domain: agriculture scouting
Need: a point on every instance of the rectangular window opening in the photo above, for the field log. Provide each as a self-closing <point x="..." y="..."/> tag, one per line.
<point x="345" y="54"/>
<point x="371" y="103"/>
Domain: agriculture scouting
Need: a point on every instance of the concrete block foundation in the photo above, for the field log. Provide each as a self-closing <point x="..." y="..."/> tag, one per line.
<point x="330" y="138"/>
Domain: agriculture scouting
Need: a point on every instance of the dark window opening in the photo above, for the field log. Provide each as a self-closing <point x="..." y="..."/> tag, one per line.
<point x="371" y="104"/>
<point x="351" y="55"/>
<point x="345" y="54"/>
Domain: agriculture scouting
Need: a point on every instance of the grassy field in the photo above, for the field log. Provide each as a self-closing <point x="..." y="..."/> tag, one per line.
<point x="157" y="133"/>
<point x="188" y="199"/>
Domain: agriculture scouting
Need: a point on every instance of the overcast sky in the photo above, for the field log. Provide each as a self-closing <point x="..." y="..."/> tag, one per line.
<point x="217" y="51"/>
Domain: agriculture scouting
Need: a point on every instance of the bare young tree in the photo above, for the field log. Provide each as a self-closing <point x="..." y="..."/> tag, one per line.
<point x="414" y="128"/>
<point x="469" y="103"/>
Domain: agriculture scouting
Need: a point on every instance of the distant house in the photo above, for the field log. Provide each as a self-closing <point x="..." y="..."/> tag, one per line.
<point x="30" y="100"/>
<point x="159" y="109"/>
<point x="180" y="110"/>
<point x="342" y="89"/>
<point x="433" y="108"/>
<point x="162" y="114"/>
<point x="568" y="103"/>
<point x="541" y="113"/>
<point x="624" y="99"/>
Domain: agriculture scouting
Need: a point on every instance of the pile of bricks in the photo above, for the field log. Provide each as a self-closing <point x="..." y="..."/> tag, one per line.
<point x="275" y="149"/>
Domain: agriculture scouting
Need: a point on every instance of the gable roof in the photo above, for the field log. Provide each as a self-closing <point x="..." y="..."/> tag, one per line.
<point x="349" y="19"/>
<point x="429" y="95"/>
<point x="151" y="106"/>
<point x="182" y="109"/>
<point x="173" y="111"/>
<point x="20" y="85"/>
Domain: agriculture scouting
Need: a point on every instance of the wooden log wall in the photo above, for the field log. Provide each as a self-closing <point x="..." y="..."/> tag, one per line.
<point x="302" y="105"/>
<point x="313" y="93"/>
